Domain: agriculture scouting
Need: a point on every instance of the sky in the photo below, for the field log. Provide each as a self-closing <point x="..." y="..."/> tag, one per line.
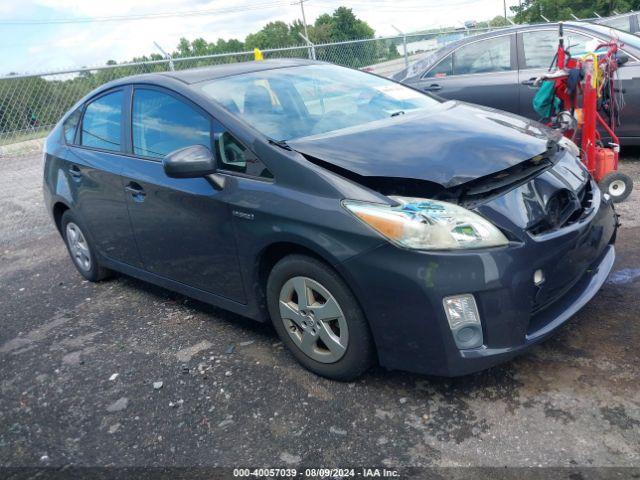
<point x="31" y="48"/>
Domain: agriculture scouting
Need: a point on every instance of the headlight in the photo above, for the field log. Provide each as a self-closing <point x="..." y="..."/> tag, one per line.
<point x="570" y="146"/>
<point x="423" y="224"/>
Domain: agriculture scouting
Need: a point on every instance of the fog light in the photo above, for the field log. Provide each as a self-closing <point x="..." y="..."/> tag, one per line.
<point x="464" y="320"/>
<point x="538" y="277"/>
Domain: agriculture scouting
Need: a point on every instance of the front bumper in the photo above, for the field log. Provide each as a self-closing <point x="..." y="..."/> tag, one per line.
<point x="401" y="292"/>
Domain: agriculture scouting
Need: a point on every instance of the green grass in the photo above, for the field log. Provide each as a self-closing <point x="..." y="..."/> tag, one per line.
<point x="10" y="138"/>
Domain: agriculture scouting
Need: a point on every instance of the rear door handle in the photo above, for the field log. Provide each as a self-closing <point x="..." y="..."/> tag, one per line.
<point x="74" y="171"/>
<point x="434" y="87"/>
<point x="136" y="191"/>
<point x="530" y="83"/>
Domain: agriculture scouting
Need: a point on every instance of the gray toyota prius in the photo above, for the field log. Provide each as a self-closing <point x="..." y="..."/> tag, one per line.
<point x="368" y="221"/>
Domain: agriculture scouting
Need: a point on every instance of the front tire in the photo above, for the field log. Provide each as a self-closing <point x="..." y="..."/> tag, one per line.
<point x="319" y="320"/>
<point x="81" y="249"/>
<point x="617" y="185"/>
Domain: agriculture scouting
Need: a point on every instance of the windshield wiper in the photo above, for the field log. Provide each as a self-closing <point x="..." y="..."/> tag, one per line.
<point x="399" y="112"/>
<point x="280" y="143"/>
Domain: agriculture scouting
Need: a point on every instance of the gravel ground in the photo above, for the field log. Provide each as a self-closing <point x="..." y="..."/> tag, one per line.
<point x="78" y="364"/>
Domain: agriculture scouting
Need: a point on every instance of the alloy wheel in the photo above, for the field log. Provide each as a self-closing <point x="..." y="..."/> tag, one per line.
<point x="78" y="246"/>
<point x="313" y="319"/>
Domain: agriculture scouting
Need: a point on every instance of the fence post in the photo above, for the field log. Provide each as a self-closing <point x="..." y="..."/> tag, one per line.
<point x="166" y="55"/>
<point x="404" y="45"/>
<point x="312" y="47"/>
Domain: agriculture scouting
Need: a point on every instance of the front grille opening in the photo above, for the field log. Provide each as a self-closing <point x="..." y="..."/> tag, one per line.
<point x="564" y="209"/>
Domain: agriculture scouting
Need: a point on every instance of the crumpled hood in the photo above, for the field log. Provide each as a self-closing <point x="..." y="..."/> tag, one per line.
<point x="449" y="145"/>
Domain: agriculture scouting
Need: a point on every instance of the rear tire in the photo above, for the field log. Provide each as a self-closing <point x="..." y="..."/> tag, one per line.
<point x="81" y="249"/>
<point x="617" y="185"/>
<point x="327" y="331"/>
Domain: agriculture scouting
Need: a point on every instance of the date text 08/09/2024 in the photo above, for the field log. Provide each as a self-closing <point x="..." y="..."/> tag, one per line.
<point x="315" y="472"/>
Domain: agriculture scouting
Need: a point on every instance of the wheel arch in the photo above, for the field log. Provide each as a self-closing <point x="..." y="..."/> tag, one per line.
<point x="275" y="251"/>
<point x="272" y="254"/>
<point x="58" y="211"/>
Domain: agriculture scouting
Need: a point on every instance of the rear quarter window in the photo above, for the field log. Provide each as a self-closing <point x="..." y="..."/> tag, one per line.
<point x="70" y="126"/>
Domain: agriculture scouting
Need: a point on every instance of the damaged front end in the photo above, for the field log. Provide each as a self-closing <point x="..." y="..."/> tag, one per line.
<point x="541" y="194"/>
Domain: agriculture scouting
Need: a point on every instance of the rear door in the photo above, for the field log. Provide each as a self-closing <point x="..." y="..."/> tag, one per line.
<point x="482" y="71"/>
<point x="629" y="76"/>
<point x="94" y="166"/>
<point x="536" y="50"/>
<point x="182" y="227"/>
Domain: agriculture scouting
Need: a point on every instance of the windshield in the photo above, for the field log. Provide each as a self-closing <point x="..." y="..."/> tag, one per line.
<point x="288" y="103"/>
<point x="609" y="32"/>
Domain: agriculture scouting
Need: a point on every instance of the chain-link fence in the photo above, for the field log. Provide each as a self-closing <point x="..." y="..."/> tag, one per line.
<point x="31" y="104"/>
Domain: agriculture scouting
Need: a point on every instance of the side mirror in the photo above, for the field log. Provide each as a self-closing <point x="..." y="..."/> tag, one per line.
<point x="190" y="162"/>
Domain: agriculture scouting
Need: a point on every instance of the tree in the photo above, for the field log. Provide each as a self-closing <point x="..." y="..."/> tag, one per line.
<point x="272" y="35"/>
<point x="498" y="21"/>
<point x="342" y="25"/>
<point x="530" y="11"/>
<point x="345" y="26"/>
<point x="42" y="102"/>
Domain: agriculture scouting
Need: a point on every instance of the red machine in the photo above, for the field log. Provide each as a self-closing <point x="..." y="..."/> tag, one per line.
<point x="587" y="90"/>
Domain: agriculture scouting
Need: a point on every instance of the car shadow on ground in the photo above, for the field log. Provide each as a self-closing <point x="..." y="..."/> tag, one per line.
<point x="499" y="376"/>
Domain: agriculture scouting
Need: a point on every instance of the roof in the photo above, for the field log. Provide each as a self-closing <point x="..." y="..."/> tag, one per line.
<point x="620" y="15"/>
<point x="416" y="68"/>
<point x="203" y="74"/>
<point x="512" y="29"/>
<point x="196" y="75"/>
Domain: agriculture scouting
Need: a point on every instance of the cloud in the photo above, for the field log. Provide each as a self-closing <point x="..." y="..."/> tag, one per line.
<point x="88" y="8"/>
<point x="92" y="44"/>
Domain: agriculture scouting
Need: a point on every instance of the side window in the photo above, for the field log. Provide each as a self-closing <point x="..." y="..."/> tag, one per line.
<point x="491" y="55"/>
<point x="235" y="157"/>
<point x="70" y="126"/>
<point x="540" y="46"/>
<point x="621" y="23"/>
<point x="161" y="124"/>
<point x="443" y="69"/>
<point x="102" y="121"/>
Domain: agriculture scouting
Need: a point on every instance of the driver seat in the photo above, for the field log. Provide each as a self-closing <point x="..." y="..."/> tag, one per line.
<point x="257" y="100"/>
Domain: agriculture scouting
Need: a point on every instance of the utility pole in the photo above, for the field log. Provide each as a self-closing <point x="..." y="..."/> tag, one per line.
<point x="304" y="19"/>
<point x="504" y="4"/>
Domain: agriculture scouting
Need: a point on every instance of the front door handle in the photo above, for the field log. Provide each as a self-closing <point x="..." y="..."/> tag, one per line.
<point x="136" y="191"/>
<point x="75" y="172"/>
<point x="434" y="87"/>
<point x="530" y="83"/>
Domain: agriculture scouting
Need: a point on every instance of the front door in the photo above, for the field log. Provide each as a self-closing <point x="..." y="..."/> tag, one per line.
<point x="482" y="72"/>
<point x="182" y="227"/>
